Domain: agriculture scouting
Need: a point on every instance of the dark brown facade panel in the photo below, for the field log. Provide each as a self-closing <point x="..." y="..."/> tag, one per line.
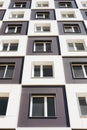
<point x="61" y="114"/>
<point x="67" y="63"/>
<point x="55" y="47"/>
<point x="17" y="72"/>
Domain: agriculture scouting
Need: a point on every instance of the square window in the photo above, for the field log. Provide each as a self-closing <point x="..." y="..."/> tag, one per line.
<point x="79" y="70"/>
<point x="12" y="29"/>
<point x="69" y="28"/>
<point x="42" y="106"/>
<point x="6" y="71"/>
<point x="3" y="105"/>
<point x="83" y="105"/>
<point x="42" y="71"/>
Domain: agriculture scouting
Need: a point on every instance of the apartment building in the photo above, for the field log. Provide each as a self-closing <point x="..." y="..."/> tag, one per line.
<point x="43" y="64"/>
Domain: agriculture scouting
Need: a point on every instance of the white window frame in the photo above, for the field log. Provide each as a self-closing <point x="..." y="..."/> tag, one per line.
<point x="45" y="104"/>
<point x="44" y="45"/>
<point x="66" y="14"/>
<point x="83" y="70"/>
<point x="71" y="30"/>
<point x="43" y="15"/>
<point x="41" y="4"/>
<point x="16" y="14"/>
<point x="15" y="29"/>
<point x="41" y="70"/>
<point x="6" y="68"/>
<point x="74" y="46"/>
<point x="41" y="28"/>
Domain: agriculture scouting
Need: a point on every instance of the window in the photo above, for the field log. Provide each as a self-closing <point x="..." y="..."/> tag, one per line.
<point x="11" y="29"/>
<point x="42" y="46"/>
<point x="3" y="105"/>
<point x="79" y="70"/>
<point x="9" y="47"/>
<point x="42" y="4"/>
<point x="1" y="4"/>
<point x="84" y="4"/>
<point x="76" y="46"/>
<point x="6" y="71"/>
<point x="42" y="71"/>
<point x="42" y="28"/>
<point x="65" y="4"/>
<point x="83" y="105"/>
<point x="17" y="15"/>
<point x="68" y="15"/>
<point x="42" y="15"/>
<point x="70" y="28"/>
<point x="42" y="106"/>
<point x="19" y="5"/>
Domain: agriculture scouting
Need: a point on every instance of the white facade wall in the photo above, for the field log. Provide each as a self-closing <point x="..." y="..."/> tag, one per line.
<point x="11" y="118"/>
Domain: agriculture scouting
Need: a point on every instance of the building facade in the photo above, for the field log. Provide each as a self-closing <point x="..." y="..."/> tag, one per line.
<point x="43" y="64"/>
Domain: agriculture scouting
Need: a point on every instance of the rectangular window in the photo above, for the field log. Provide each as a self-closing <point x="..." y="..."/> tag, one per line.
<point x="3" y="105"/>
<point x="42" y="46"/>
<point x="19" y="5"/>
<point x="12" y="29"/>
<point x="42" y="4"/>
<point x="17" y="15"/>
<point x="9" y="47"/>
<point x="68" y="15"/>
<point x="69" y="28"/>
<point x="43" y="71"/>
<point x="65" y="4"/>
<point x="6" y="71"/>
<point x="42" y="15"/>
<point x="84" y="4"/>
<point x="1" y="4"/>
<point x="42" y="106"/>
<point x="83" y="105"/>
<point x="42" y="28"/>
<point x="79" y="70"/>
<point x="73" y="46"/>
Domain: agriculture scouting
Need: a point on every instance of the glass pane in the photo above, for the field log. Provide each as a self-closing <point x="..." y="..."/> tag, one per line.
<point x="39" y="15"/>
<point x="47" y="15"/>
<point x="11" y="29"/>
<point x="39" y="47"/>
<point x="48" y="47"/>
<point x="36" y="71"/>
<point x="2" y="70"/>
<point x="71" y="47"/>
<point x="76" y="28"/>
<point x="46" y="29"/>
<point x="83" y="105"/>
<point x="9" y="72"/>
<point x="3" y="105"/>
<point x="79" y="46"/>
<point x="47" y="71"/>
<point x="38" y="29"/>
<point x="50" y="106"/>
<point x="20" y="15"/>
<point x="68" y="29"/>
<point x="5" y="47"/>
<point x="38" y="107"/>
<point x="85" y="66"/>
<point x="78" y="72"/>
<point x="13" y="47"/>
<point x="19" y="29"/>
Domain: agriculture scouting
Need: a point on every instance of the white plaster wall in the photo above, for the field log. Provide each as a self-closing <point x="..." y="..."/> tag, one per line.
<point x="11" y="118"/>
<point x="59" y="17"/>
<point x="21" y="46"/>
<point x="64" y="47"/>
<point x="5" y="4"/>
<point x="58" y="71"/>
<point x="43" y="128"/>
<point x="72" y="90"/>
<point x="53" y="29"/>
<point x="7" y="16"/>
<point x="34" y="5"/>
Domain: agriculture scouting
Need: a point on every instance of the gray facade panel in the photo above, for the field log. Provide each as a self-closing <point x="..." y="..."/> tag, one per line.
<point x="2" y="12"/>
<point x="6" y="24"/>
<point x="84" y="14"/>
<point x="17" y="70"/>
<point x="80" y="24"/>
<point x="61" y="120"/>
<point x="55" y="45"/>
<point x="51" y="16"/>
<point x="68" y="70"/>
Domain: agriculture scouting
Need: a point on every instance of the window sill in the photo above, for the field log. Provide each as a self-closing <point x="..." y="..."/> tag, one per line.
<point x="54" y="117"/>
